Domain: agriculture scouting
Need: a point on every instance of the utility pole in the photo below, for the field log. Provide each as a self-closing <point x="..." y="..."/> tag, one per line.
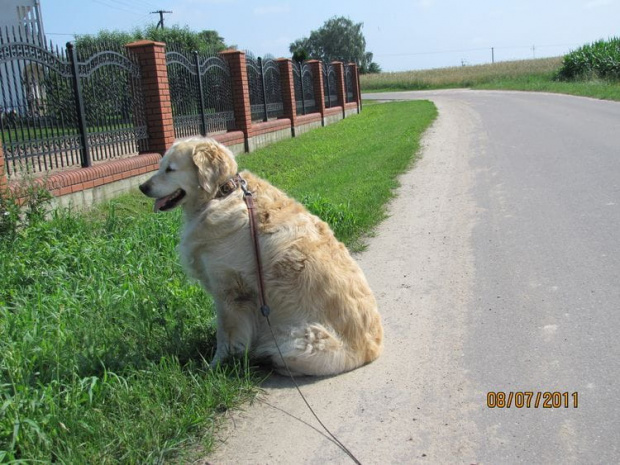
<point x="534" y="51"/>
<point x="161" y="17"/>
<point x="493" y="55"/>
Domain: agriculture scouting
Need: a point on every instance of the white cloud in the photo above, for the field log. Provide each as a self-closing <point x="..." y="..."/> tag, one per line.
<point x="592" y="4"/>
<point x="272" y="9"/>
<point x="425" y="4"/>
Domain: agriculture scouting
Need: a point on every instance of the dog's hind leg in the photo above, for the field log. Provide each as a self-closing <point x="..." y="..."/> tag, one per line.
<point x="314" y="350"/>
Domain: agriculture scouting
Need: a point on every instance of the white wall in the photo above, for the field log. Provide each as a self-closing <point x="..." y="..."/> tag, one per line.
<point x="21" y="13"/>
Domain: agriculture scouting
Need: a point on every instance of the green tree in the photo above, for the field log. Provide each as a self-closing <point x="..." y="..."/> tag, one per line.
<point x="183" y="37"/>
<point x="339" y="39"/>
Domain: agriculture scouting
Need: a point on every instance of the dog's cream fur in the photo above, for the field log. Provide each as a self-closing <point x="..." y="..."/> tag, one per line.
<point x="322" y="310"/>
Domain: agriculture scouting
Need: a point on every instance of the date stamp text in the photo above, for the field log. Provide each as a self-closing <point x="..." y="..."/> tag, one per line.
<point x="531" y="399"/>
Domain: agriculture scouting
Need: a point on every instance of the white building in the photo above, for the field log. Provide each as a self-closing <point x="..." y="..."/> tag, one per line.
<point x="21" y="20"/>
<point x="24" y="15"/>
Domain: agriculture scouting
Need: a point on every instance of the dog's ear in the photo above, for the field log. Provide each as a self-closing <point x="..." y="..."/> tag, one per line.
<point x="214" y="165"/>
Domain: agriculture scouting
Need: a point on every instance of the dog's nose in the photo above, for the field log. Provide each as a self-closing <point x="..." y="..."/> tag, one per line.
<point x="144" y="188"/>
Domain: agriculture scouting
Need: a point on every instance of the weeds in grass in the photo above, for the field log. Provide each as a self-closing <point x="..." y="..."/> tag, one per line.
<point x="25" y="203"/>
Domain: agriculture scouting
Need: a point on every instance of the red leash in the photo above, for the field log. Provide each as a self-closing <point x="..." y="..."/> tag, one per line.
<point x="249" y="202"/>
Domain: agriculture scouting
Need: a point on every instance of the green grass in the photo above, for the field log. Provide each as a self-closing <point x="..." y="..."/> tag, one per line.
<point x="347" y="171"/>
<point x="103" y="340"/>
<point x="527" y="75"/>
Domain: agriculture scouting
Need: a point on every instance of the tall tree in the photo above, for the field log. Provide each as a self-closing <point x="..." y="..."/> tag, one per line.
<point x="338" y="39"/>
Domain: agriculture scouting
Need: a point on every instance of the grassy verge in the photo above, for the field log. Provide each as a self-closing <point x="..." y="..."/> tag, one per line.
<point x="345" y="173"/>
<point x="528" y="75"/>
<point x="103" y="339"/>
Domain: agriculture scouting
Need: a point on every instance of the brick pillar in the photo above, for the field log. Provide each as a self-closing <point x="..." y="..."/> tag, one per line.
<point x="241" y="91"/>
<point x="316" y="67"/>
<point x="356" y="85"/>
<point x="287" y="83"/>
<point x="156" y="90"/>
<point x="342" y="96"/>
<point x="3" y="179"/>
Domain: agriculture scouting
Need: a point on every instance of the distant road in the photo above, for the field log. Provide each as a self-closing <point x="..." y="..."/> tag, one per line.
<point x="498" y="270"/>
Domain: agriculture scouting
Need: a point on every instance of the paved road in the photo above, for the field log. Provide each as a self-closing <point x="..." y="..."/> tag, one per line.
<point x="498" y="270"/>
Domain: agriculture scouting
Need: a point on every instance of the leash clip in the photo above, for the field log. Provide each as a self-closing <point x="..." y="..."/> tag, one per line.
<point x="244" y="187"/>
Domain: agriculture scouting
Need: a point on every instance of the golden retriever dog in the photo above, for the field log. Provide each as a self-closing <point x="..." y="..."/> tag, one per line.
<point x="323" y="313"/>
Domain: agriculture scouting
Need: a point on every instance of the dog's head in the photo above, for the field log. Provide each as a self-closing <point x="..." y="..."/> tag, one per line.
<point x="189" y="173"/>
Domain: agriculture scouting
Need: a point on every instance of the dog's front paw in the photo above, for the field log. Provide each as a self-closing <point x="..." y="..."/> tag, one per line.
<point x="216" y="361"/>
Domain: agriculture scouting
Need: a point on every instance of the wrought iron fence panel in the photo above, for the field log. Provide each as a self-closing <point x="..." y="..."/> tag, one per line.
<point x="304" y="89"/>
<point x="329" y="85"/>
<point x="184" y="93"/>
<point x="113" y="102"/>
<point x="218" y="95"/>
<point x="201" y="93"/>
<point x="349" y="77"/>
<point x="38" y="120"/>
<point x="265" y="88"/>
<point x="45" y="126"/>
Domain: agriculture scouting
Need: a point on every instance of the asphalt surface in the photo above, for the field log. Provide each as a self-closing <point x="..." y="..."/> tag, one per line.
<point x="497" y="271"/>
<point x="546" y="309"/>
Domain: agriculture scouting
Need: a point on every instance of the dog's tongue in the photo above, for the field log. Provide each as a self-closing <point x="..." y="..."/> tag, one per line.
<point x="160" y="203"/>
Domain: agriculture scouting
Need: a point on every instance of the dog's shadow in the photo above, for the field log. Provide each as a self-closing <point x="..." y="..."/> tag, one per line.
<point x="272" y="380"/>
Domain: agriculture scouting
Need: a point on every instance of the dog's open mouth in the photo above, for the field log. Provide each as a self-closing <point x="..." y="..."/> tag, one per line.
<point x="170" y="201"/>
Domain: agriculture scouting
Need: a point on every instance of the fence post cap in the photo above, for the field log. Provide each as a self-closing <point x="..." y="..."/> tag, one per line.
<point x="231" y="51"/>
<point x="145" y="43"/>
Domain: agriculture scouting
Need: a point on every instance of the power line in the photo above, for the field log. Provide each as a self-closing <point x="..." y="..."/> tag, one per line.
<point x="100" y="2"/>
<point x="149" y="4"/>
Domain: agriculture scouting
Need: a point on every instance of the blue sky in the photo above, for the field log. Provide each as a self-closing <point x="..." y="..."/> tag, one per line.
<point x="403" y="35"/>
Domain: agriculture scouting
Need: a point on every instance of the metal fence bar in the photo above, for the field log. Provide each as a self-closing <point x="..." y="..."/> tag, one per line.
<point x="262" y="80"/>
<point x="301" y="85"/>
<point x="201" y="95"/>
<point x="348" y="83"/>
<point x="79" y="107"/>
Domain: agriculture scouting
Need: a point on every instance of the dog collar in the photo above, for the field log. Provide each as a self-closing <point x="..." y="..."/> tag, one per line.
<point x="229" y="186"/>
